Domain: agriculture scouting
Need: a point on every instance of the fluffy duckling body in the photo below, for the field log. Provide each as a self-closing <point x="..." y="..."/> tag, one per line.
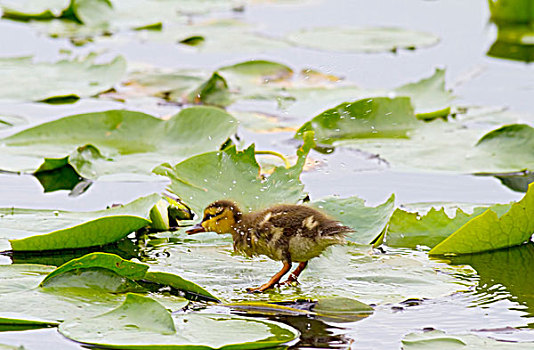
<point x="287" y="233"/>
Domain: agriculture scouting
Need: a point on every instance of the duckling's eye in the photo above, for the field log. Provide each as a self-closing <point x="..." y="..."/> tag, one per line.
<point x="208" y="216"/>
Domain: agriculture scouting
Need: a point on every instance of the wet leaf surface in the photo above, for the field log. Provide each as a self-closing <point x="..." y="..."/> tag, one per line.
<point x="143" y="322"/>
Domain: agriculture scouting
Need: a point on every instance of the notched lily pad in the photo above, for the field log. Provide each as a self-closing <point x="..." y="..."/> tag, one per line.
<point x="235" y="175"/>
<point x="492" y="229"/>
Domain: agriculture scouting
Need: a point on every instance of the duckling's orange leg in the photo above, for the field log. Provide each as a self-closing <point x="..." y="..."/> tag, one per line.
<point x="273" y="281"/>
<point x="295" y="274"/>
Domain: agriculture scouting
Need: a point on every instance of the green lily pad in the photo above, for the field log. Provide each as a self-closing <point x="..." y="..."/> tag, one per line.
<point x="116" y="142"/>
<point x="437" y="339"/>
<point x="235" y="175"/>
<point x="362" y="39"/>
<point x="514" y="42"/>
<point x="411" y="229"/>
<point x="226" y="35"/>
<point x="111" y="262"/>
<point x="141" y="322"/>
<point x="379" y="117"/>
<point x="69" y="293"/>
<point x="29" y="229"/>
<point x="350" y="271"/>
<point x="66" y="78"/>
<point x="127" y="270"/>
<point x="492" y="230"/>
<point x="465" y="145"/>
<point x="429" y="97"/>
<point x="368" y="222"/>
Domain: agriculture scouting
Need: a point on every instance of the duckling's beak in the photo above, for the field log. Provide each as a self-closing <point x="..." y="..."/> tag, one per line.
<point x="196" y="229"/>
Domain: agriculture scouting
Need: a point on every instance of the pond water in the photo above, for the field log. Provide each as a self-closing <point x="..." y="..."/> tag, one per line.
<point x="495" y="298"/>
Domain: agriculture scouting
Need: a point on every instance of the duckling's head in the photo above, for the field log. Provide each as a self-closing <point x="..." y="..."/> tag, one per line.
<point x="220" y="216"/>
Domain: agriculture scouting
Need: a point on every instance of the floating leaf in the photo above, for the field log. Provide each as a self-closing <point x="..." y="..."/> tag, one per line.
<point x="437" y="339"/>
<point x="491" y="230"/>
<point x="362" y="39"/>
<point x="111" y="262"/>
<point x="29" y="229"/>
<point x="511" y="11"/>
<point x="407" y="229"/>
<point x="379" y="117"/>
<point x="349" y="271"/>
<point x="213" y="92"/>
<point x="79" y="78"/>
<point x="368" y="222"/>
<point x="168" y="279"/>
<point x="142" y="322"/>
<point x="117" y="141"/>
<point x="85" y="291"/>
<point x="235" y="175"/>
<point x="429" y="97"/>
<point x="457" y="146"/>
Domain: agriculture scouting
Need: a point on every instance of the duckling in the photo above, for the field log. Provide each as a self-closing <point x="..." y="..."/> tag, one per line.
<point x="287" y="232"/>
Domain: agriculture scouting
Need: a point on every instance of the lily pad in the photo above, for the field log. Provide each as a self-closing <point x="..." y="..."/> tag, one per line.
<point x="116" y="141"/>
<point x="379" y="117"/>
<point x="70" y="293"/>
<point x="437" y="339"/>
<point x="429" y="96"/>
<point x="412" y="229"/>
<point x="235" y="175"/>
<point x="368" y="222"/>
<point x="141" y="322"/>
<point x="125" y="269"/>
<point x="492" y="230"/>
<point x="465" y="145"/>
<point x="362" y="39"/>
<point x="350" y="271"/>
<point x="65" y="79"/>
<point x="37" y="230"/>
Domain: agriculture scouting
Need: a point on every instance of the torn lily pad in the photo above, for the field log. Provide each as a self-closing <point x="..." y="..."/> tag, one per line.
<point x="141" y="322"/>
<point x="116" y="142"/>
<point x="66" y="79"/>
<point x="235" y="175"/>
<point x="492" y="230"/>
<point x="362" y="39"/>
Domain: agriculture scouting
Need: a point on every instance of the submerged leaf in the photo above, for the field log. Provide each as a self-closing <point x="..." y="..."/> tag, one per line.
<point x="492" y="230"/>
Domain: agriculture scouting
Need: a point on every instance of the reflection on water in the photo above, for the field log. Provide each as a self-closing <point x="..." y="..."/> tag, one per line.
<point x="515" y="29"/>
<point x="505" y="273"/>
<point x="125" y="248"/>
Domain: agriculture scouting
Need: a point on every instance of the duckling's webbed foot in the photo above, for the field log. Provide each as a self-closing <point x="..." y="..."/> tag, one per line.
<point x="273" y="281"/>
<point x="295" y="274"/>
